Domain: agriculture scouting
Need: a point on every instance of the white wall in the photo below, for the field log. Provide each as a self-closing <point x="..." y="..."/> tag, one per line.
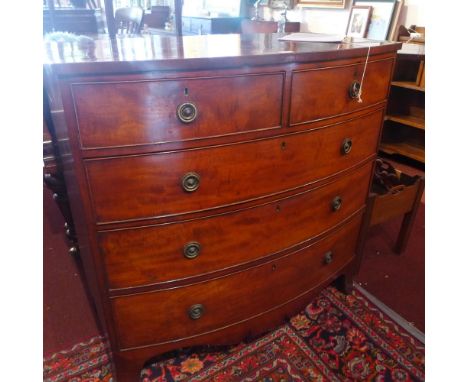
<point x="334" y="21"/>
<point x="413" y="13"/>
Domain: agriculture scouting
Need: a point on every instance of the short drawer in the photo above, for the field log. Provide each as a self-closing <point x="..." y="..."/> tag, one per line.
<point x="326" y="92"/>
<point x="145" y="186"/>
<point x="211" y="305"/>
<point x="148" y="255"/>
<point x="112" y="114"/>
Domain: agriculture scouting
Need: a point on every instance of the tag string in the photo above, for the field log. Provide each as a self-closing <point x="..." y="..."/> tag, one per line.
<point x="363" y="75"/>
<point x="348" y="40"/>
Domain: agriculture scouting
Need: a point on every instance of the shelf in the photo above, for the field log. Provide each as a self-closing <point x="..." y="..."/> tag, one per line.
<point x="404" y="148"/>
<point x="415" y="40"/>
<point x="409" y="120"/>
<point x="408" y="85"/>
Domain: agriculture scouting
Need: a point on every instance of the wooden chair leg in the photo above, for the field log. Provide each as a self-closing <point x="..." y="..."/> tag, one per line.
<point x="345" y="283"/>
<point x="127" y="370"/>
<point x="405" y="231"/>
<point x="408" y="221"/>
<point x="366" y="224"/>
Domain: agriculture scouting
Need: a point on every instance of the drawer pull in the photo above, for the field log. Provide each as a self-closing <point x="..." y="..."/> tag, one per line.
<point x="346" y="146"/>
<point x="187" y="112"/>
<point x="336" y="203"/>
<point x="191" y="181"/>
<point x="196" y="311"/>
<point x="354" y="90"/>
<point x="192" y="250"/>
<point x="328" y="258"/>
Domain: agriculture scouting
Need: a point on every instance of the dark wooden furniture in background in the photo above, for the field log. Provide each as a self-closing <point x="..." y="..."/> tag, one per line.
<point x="404" y="131"/>
<point x="112" y="27"/>
<point x="192" y="25"/>
<point x="259" y="26"/>
<point x="128" y="20"/>
<point x="394" y="194"/>
<point x="200" y="185"/>
<point x="73" y="20"/>
<point x="404" y="34"/>
<point x="90" y="21"/>
<point x="158" y="17"/>
<point x="53" y="175"/>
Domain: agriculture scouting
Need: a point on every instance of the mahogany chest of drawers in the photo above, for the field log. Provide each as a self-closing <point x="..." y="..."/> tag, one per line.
<point x="216" y="182"/>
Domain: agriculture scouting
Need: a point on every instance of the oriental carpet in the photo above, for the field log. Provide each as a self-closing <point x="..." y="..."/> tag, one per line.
<point x="336" y="338"/>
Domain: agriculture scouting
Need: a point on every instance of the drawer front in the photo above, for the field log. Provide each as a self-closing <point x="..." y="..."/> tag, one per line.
<point x="231" y="299"/>
<point x="146" y="186"/>
<point x="143" y="256"/>
<point x="322" y="93"/>
<point x="146" y="112"/>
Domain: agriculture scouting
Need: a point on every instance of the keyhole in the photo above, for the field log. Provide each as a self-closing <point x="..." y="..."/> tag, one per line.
<point x="283" y="145"/>
<point x="273" y="267"/>
<point x="186" y="92"/>
<point x="278" y="208"/>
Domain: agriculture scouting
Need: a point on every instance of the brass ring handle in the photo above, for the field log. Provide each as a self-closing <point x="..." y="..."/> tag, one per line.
<point x="336" y="203"/>
<point x="192" y="250"/>
<point x="328" y="258"/>
<point x="191" y="181"/>
<point x="346" y="146"/>
<point x="187" y="112"/>
<point x="354" y="90"/>
<point x="196" y="311"/>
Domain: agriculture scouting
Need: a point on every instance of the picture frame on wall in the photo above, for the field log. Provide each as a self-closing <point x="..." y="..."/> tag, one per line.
<point x="322" y="3"/>
<point x="358" y="21"/>
<point x="393" y="34"/>
<point x="381" y="19"/>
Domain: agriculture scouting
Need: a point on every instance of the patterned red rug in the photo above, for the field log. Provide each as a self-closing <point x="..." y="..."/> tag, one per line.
<point x="336" y="338"/>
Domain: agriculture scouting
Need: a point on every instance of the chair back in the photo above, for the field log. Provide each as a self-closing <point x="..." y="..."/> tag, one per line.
<point x="258" y="26"/>
<point x="261" y="26"/>
<point x="128" y="20"/>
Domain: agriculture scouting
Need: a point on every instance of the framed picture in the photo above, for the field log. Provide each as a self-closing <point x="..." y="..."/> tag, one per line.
<point x="358" y="22"/>
<point x="393" y="34"/>
<point x="322" y="3"/>
<point x="381" y="19"/>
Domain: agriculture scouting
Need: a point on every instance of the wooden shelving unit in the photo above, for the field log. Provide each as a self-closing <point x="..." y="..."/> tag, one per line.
<point x="408" y="85"/>
<point x="409" y="150"/>
<point x="409" y="120"/>
<point x="404" y="126"/>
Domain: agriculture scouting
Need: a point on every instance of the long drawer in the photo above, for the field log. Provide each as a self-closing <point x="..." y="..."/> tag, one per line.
<point x="145" y="112"/>
<point x="325" y="92"/>
<point x="162" y="316"/>
<point x="144" y="186"/>
<point x="148" y="255"/>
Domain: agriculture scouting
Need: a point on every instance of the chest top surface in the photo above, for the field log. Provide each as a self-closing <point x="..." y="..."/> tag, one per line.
<point x="152" y="52"/>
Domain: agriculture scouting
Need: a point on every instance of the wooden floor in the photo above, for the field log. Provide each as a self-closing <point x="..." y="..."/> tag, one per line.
<point x="397" y="280"/>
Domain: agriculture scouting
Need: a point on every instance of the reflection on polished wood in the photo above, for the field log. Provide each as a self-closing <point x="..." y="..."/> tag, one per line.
<point x="203" y="172"/>
<point x="261" y="26"/>
<point x="174" y="52"/>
